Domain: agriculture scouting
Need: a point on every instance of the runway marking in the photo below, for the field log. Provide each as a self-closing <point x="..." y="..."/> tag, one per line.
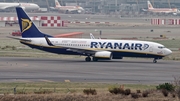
<point x="67" y="81"/>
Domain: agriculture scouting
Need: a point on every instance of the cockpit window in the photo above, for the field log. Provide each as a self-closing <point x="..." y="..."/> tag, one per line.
<point x="161" y="47"/>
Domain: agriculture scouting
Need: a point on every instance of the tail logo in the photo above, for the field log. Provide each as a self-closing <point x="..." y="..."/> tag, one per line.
<point x="56" y="3"/>
<point x="150" y="6"/>
<point x="26" y="24"/>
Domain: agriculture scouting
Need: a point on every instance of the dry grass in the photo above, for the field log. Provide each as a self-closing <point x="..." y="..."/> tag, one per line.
<point x="60" y="87"/>
<point x="81" y="97"/>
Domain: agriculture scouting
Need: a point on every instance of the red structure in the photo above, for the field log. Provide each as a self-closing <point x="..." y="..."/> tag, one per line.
<point x="70" y="35"/>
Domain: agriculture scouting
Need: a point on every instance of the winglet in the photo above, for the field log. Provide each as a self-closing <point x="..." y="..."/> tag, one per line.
<point x="48" y="41"/>
<point x="91" y="35"/>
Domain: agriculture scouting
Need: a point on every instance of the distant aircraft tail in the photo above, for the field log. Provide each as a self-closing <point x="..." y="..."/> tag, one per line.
<point x="149" y="5"/>
<point x="27" y="27"/>
<point x="57" y="4"/>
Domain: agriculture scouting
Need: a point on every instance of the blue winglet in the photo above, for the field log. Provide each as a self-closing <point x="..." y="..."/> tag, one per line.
<point x="48" y="41"/>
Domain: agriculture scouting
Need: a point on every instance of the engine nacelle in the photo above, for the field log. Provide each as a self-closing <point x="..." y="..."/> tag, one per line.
<point x="79" y="11"/>
<point x="103" y="55"/>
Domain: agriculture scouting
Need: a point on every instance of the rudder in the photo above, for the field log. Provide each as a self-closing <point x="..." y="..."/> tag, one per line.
<point x="150" y="5"/>
<point x="57" y="4"/>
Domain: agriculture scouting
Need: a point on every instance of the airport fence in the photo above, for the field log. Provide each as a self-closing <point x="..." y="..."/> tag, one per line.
<point x="166" y="21"/>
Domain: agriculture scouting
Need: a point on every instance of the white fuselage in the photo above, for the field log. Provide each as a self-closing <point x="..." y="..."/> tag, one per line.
<point x="129" y="46"/>
<point x="25" y="6"/>
<point x="70" y="8"/>
<point x="163" y="10"/>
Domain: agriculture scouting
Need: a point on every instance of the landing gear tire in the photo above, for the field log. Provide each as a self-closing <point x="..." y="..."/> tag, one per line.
<point x="95" y="59"/>
<point x="155" y="61"/>
<point x="88" y="59"/>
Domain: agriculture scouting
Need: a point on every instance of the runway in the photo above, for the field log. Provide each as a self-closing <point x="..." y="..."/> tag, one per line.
<point x="136" y="71"/>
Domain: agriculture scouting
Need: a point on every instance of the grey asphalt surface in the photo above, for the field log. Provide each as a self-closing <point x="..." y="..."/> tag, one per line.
<point x="137" y="71"/>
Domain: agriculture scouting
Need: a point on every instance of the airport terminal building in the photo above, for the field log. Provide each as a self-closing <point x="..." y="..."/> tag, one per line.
<point x="106" y="6"/>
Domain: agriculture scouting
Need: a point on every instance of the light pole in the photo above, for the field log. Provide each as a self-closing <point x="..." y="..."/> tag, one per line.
<point x="100" y="33"/>
<point x="137" y="5"/>
<point x="169" y="4"/>
<point x="47" y="3"/>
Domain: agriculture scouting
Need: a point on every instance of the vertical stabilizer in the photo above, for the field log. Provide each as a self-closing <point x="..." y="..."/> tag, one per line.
<point x="57" y="4"/>
<point x="149" y="5"/>
<point x="27" y="27"/>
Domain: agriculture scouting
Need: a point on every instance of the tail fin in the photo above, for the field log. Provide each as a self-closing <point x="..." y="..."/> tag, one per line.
<point x="149" y="5"/>
<point x="57" y="4"/>
<point x="27" y="27"/>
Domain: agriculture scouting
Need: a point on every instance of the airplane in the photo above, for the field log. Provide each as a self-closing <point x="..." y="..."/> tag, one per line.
<point x="92" y="49"/>
<point x="67" y="9"/>
<point x="25" y="6"/>
<point x="174" y="11"/>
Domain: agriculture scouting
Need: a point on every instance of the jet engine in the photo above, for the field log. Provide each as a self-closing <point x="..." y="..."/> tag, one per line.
<point x="79" y="11"/>
<point x="103" y="55"/>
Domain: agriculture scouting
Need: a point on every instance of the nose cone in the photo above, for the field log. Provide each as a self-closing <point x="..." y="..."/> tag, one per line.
<point x="168" y="51"/>
<point x="80" y="8"/>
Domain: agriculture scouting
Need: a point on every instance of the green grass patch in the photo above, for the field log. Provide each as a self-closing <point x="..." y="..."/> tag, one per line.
<point x="169" y="43"/>
<point x="62" y="87"/>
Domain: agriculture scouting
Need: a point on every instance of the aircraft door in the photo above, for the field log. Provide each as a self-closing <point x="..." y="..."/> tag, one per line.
<point x="41" y="43"/>
<point x="151" y="49"/>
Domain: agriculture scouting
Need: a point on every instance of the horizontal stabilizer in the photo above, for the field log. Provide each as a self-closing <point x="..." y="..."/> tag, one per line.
<point x="19" y="38"/>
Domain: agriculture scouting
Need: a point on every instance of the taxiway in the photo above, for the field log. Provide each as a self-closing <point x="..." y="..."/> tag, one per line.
<point x="138" y="71"/>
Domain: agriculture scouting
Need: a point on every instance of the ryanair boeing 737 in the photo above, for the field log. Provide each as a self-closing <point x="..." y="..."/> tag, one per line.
<point x="93" y="49"/>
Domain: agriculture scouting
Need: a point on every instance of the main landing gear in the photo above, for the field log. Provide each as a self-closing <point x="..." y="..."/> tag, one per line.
<point x="155" y="60"/>
<point x="88" y="59"/>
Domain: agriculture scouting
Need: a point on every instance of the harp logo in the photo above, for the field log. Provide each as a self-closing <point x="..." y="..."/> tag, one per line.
<point x="26" y="24"/>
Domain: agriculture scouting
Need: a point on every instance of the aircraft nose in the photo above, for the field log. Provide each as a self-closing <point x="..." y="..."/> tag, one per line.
<point x="82" y="8"/>
<point x="168" y="51"/>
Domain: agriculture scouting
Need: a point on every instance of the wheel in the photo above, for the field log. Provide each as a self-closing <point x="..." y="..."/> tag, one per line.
<point x="95" y="59"/>
<point x="88" y="59"/>
<point x="154" y="61"/>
